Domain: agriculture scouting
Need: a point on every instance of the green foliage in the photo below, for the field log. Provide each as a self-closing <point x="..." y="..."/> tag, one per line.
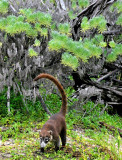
<point x="29" y="22"/>
<point x="3" y="100"/>
<point x="52" y="101"/>
<point x="58" y="41"/>
<point x="15" y="99"/>
<point x="85" y="24"/>
<point x="64" y="28"/>
<point x="117" y="50"/>
<point x="53" y="26"/>
<point x="38" y="27"/>
<point x="93" y="49"/>
<point x="44" y="19"/>
<point x="97" y="39"/>
<point x="117" y="5"/>
<point x="4" y="6"/>
<point x="98" y="22"/>
<point x="83" y="3"/>
<point x="82" y="50"/>
<point x="36" y="17"/>
<point x="69" y="60"/>
<point x="52" y="1"/>
<point x="3" y="23"/>
<point x="44" y="32"/>
<point x="119" y="20"/>
<point x="25" y="11"/>
<point x="111" y="57"/>
<point x="79" y="49"/>
<point x="32" y="53"/>
<point x="71" y="15"/>
<point x="112" y="44"/>
<point x="103" y="44"/>
<point x="35" y="23"/>
<point x="74" y="5"/>
<point x="16" y="25"/>
<point x="36" y="43"/>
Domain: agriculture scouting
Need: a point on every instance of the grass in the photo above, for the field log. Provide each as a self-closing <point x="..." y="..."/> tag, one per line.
<point x="86" y="138"/>
<point x="20" y="139"/>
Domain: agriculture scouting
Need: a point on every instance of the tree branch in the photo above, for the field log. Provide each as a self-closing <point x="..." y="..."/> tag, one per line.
<point x="111" y="128"/>
<point x="107" y="75"/>
<point x="43" y="104"/>
<point x="62" y="5"/>
<point x="117" y="32"/>
<point x="92" y="10"/>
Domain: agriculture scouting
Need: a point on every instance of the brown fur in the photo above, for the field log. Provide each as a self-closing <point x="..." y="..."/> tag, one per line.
<point x="56" y="125"/>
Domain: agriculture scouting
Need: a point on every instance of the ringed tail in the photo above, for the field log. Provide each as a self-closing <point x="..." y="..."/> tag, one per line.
<point x="60" y="87"/>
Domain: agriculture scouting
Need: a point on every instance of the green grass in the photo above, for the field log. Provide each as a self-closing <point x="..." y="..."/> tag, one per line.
<point x="20" y="139"/>
<point x="86" y="138"/>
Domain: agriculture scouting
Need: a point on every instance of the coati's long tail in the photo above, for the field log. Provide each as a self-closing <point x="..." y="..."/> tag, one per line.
<point x="60" y="87"/>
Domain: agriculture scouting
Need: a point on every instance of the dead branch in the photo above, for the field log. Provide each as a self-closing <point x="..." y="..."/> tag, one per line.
<point x="103" y="109"/>
<point x="8" y="99"/>
<point x="62" y="5"/>
<point x="43" y="104"/>
<point x="118" y="81"/>
<point x="116" y="32"/>
<point x="111" y="128"/>
<point x="105" y="88"/>
<point x="107" y="75"/>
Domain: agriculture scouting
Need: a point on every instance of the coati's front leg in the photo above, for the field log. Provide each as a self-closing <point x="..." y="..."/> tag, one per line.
<point x="42" y="150"/>
<point x="57" y="143"/>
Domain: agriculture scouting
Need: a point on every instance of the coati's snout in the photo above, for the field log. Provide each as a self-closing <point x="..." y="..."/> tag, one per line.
<point x="45" y="137"/>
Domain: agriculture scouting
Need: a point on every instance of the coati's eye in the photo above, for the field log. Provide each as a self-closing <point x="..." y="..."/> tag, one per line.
<point x="46" y="140"/>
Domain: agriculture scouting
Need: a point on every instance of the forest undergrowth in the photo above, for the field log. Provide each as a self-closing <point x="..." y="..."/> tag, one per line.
<point x="89" y="137"/>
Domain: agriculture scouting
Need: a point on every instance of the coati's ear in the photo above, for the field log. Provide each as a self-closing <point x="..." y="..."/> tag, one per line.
<point x="39" y="132"/>
<point x="51" y="132"/>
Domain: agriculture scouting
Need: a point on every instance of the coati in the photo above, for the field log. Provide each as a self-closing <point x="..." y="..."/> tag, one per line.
<point x="55" y="127"/>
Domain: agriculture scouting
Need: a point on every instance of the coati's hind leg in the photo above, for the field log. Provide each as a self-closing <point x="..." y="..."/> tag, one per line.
<point x="63" y="136"/>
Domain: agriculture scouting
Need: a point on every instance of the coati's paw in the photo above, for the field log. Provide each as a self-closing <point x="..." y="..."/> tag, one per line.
<point x="42" y="150"/>
<point x="62" y="147"/>
<point x="56" y="149"/>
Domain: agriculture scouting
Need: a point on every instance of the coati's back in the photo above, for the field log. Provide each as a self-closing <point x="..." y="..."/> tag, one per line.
<point x="56" y="125"/>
